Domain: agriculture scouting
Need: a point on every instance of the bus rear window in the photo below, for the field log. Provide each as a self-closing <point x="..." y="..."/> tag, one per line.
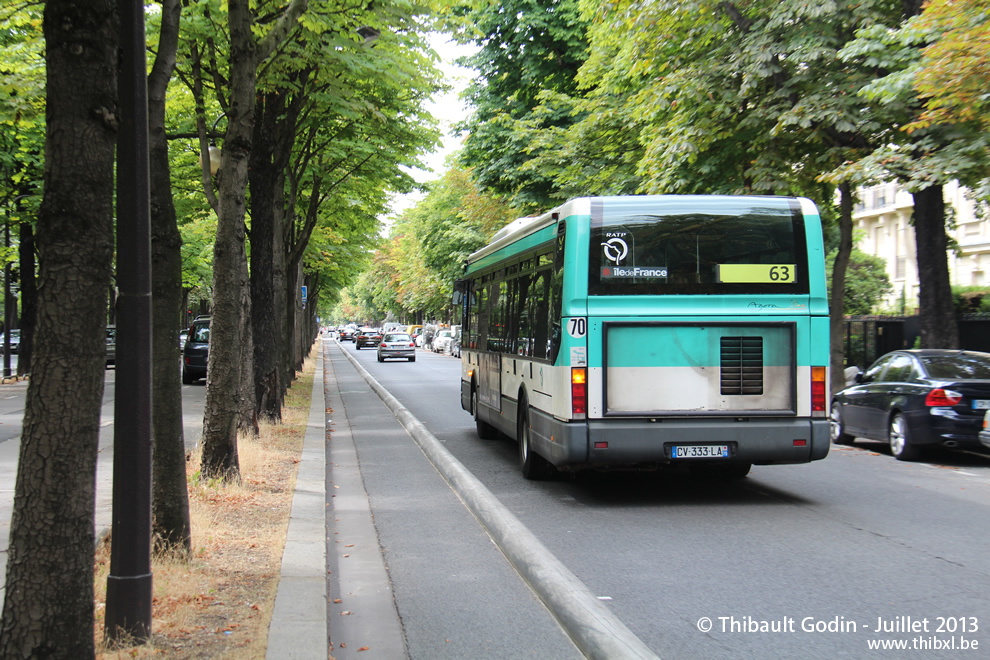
<point x="697" y="245"/>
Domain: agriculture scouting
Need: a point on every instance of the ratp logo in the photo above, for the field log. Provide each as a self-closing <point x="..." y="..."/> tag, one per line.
<point x="615" y="250"/>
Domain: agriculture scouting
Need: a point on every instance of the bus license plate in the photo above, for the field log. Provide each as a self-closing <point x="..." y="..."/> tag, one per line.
<point x="699" y="451"/>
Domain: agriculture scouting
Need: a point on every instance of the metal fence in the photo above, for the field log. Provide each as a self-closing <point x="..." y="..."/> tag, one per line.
<point x="869" y="337"/>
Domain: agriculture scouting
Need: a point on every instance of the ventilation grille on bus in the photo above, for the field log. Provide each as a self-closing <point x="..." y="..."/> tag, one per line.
<point x="742" y="365"/>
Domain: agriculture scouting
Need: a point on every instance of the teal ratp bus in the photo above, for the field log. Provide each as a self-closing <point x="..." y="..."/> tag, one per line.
<point x="640" y="331"/>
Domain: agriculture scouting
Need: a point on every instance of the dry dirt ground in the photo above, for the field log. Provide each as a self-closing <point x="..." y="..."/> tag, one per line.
<point x="218" y="603"/>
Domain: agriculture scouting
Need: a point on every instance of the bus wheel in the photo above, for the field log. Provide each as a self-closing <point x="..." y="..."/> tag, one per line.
<point x="736" y="470"/>
<point x="710" y="470"/>
<point x="533" y="465"/>
<point x="485" y="430"/>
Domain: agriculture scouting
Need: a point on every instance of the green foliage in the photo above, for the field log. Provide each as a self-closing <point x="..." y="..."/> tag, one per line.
<point x="912" y="149"/>
<point x="352" y="115"/>
<point x="22" y="109"/>
<point x="954" y="69"/>
<point x="414" y="269"/>
<point x="866" y="281"/>
<point x="971" y="299"/>
<point x="198" y="234"/>
<point x="526" y="48"/>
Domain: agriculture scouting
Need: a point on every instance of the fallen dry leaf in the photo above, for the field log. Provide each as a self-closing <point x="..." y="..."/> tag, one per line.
<point x="363" y="648"/>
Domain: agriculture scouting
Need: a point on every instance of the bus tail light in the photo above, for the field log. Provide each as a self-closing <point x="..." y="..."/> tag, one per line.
<point x="579" y="391"/>
<point x="818" y="389"/>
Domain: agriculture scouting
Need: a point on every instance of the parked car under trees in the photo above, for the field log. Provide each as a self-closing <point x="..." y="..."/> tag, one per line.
<point x="915" y="399"/>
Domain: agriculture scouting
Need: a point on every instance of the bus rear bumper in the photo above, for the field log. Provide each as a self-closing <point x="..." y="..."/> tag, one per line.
<point x="620" y="442"/>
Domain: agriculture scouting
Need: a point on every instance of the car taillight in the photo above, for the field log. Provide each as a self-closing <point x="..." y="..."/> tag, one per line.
<point x="412" y="344"/>
<point x="579" y="391"/>
<point x="383" y="345"/>
<point x="818" y="390"/>
<point x="940" y="397"/>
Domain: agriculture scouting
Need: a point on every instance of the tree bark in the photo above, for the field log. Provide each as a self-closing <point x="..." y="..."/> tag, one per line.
<point x="264" y="178"/>
<point x="29" y="299"/>
<point x="939" y="327"/>
<point x="836" y="304"/>
<point x="170" y="497"/>
<point x="247" y="420"/>
<point x="48" y="607"/>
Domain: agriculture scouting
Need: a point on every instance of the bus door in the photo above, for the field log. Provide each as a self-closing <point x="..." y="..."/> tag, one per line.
<point x="490" y="360"/>
<point x="490" y="379"/>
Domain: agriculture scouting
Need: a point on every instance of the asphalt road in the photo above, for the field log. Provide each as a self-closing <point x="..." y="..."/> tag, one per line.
<point x="805" y="561"/>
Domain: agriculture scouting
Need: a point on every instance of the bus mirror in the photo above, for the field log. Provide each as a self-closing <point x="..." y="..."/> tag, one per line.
<point x="459" y="288"/>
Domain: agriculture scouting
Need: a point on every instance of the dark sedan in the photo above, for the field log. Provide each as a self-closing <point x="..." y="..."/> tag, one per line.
<point x="916" y="398"/>
<point x="367" y="337"/>
<point x="195" y="352"/>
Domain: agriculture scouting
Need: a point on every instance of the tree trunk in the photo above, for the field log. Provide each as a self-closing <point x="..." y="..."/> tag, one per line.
<point x="263" y="175"/>
<point x="939" y="328"/>
<point x="222" y="407"/>
<point x="48" y="607"/>
<point x="247" y="420"/>
<point x="297" y="319"/>
<point x="170" y="497"/>
<point x="836" y="302"/>
<point x="29" y="299"/>
<point x="289" y="316"/>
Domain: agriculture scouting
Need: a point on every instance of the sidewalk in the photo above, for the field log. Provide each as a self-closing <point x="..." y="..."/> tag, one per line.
<point x="331" y="512"/>
<point x="299" y="622"/>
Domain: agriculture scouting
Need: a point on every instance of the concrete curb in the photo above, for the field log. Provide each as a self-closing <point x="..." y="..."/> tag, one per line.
<point x="298" y="627"/>
<point x="593" y="628"/>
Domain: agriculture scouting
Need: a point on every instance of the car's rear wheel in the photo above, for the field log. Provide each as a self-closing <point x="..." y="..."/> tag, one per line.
<point x="186" y="378"/>
<point x="836" y="429"/>
<point x="899" y="437"/>
<point x="412" y="359"/>
<point x="381" y="359"/>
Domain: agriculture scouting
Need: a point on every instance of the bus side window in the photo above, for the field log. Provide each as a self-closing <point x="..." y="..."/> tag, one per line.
<point x="539" y="297"/>
<point x="480" y="336"/>
<point x="522" y="327"/>
<point x="495" y="303"/>
<point x="556" y="292"/>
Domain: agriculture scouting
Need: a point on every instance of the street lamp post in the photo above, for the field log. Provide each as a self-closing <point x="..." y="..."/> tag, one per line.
<point x="129" y="585"/>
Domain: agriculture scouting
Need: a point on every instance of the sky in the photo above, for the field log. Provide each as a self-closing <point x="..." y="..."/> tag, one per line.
<point x="449" y="109"/>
